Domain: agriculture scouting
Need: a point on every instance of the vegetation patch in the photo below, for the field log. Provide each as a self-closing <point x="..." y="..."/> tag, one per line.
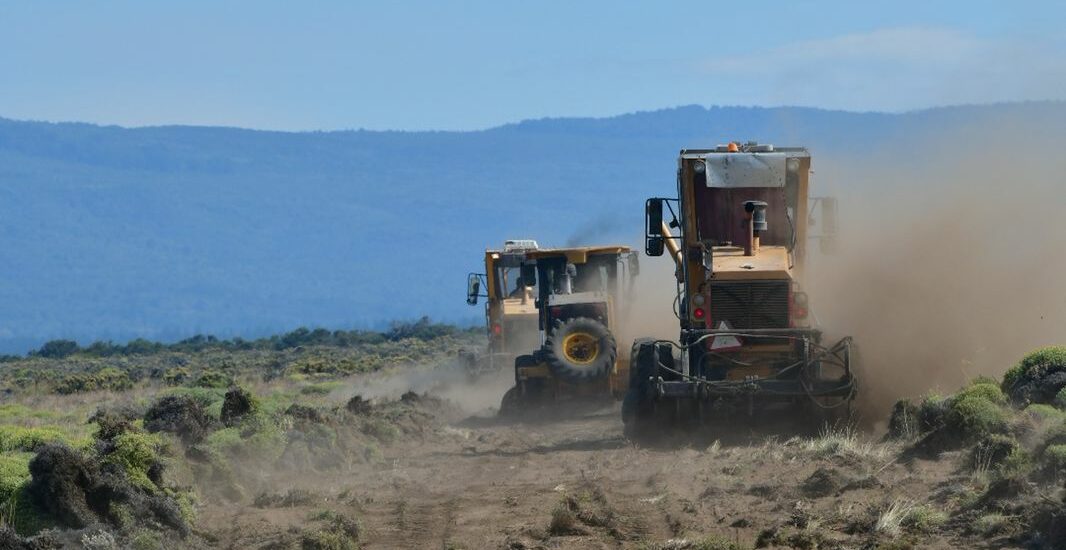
<point x="180" y="415"/>
<point x="108" y="378"/>
<point x="18" y="438"/>
<point x="1038" y="377"/>
<point x="923" y="519"/>
<point x="237" y="405"/>
<point x="139" y="456"/>
<point x="339" y="532"/>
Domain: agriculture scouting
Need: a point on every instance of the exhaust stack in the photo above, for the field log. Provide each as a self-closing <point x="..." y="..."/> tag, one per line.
<point x="668" y="240"/>
<point x="755" y="219"/>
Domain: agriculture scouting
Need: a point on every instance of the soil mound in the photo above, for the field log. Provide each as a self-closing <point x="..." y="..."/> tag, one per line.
<point x="305" y="413"/>
<point x="359" y="406"/>
<point x="237" y="404"/>
<point x="10" y="540"/>
<point x="78" y="492"/>
<point x="179" y="415"/>
<point x="60" y="478"/>
<point x="825" y="482"/>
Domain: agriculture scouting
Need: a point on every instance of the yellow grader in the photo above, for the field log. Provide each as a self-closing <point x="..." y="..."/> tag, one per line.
<point x="738" y="232"/>
<point x="510" y="314"/>
<point x="581" y="294"/>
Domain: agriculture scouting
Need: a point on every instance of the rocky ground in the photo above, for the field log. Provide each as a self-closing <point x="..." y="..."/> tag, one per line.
<point x="576" y="482"/>
<point x="364" y="463"/>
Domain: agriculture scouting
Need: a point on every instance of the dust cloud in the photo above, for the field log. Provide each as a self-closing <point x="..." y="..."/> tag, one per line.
<point x="446" y="379"/>
<point x="648" y="307"/>
<point x="951" y="261"/>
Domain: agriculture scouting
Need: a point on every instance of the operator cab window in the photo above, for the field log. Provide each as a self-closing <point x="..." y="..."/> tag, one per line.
<point x="510" y="280"/>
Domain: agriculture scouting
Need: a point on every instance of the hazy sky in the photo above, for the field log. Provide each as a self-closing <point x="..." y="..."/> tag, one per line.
<point x="476" y="64"/>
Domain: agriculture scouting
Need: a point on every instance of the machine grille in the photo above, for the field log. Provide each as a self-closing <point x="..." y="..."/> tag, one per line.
<point x="750" y="304"/>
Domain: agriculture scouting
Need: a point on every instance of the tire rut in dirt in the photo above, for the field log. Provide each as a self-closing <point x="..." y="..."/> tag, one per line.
<point x="420" y="525"/>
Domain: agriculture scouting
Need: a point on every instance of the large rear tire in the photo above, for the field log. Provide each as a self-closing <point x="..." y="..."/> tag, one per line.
<point x="512" y="403"/>
<point x="580" y="350"/>
<point x="638" y="405"/>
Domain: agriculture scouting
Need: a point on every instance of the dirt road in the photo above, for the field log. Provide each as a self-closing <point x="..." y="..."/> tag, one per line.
<point x="575" y="482"/>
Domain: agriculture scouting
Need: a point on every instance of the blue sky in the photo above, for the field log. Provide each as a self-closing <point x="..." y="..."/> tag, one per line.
<point x="468" y="65"/>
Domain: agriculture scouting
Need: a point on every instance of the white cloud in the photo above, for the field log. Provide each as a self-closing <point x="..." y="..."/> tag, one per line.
<point x="894" y="69"/>
<point x="912" y="45"/>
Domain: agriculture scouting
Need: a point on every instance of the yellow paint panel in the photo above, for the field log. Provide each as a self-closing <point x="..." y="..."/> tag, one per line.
<point x="770" y="262"/>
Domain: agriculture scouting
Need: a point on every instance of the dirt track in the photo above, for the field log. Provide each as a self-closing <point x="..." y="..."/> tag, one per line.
<point x="483" y="483"/>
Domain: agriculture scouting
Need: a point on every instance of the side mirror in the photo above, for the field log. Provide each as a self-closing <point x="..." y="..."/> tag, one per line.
<point x="529" y="275"/>
<point x="473" y="288"/>
<point x="653" y="227"/>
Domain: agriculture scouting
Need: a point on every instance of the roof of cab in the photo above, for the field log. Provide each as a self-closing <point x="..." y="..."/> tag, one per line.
<point x="579" y="254"/>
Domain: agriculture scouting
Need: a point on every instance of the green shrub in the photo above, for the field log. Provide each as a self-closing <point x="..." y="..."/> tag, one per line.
<point x="1018" y="464"/>
<point x="258" y="437"/>
<point x="992" y="524"/>
<point x="321" y="388"/>
<point x="18" y="438"/>
<point x="992" y="451"/>
<point x="381" y="429"/>
<point x="339" y="533"/>
<point x="932" y="412"/>
<point x="1034" y="366"/>
<point x="923" y="519"/>
<point x="11" y="413"/>
<point x="327" y="539"/>
<point x="983" y="380"/>
<point x="716" y="543"/>
<point x="1045" y="413"/>
<point x="57" y="349"/>
<point x="226" y="442"/>
<point x="17" y="508"/>
<point x="140" y="346"/>
<point x="972" y="416"/>
<point x="423" y="329"/>
<point x="264" y="437"/>
<point x="176" y="376"/>
<point x="985" y="390"/>
<point x="136" y="453"/>
<point x="903" y="424"/>
<point x="108" y="378"/>
<point x="75" y="383"/>
<point x="121" y="514"/>
<point x="146" y="540"/>
<point x="186" y="500"/>
<point x="14" y="473"/>
<point x="1060" y="399"/>
<point x="1054" y="459"/>
<point x="214" y="379"/>
<point x="207" y="398"/>
<point x="237" y="405"/>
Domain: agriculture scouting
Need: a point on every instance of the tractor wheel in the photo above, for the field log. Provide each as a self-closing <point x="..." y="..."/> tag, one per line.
<point x="638" y="407"/>
<point x="512" y="402"/>
<point x="580" y="350"/>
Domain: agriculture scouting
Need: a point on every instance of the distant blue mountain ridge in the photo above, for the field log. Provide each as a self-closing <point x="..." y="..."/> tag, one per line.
<point x="165" y="232"/>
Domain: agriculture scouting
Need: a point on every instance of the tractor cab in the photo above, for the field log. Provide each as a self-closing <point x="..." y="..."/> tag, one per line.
<point x="511" y="321"/>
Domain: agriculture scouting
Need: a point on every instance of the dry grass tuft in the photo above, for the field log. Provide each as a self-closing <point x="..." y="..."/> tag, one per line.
<point x="890" y="521"/>
<point x="844" y="442"/>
